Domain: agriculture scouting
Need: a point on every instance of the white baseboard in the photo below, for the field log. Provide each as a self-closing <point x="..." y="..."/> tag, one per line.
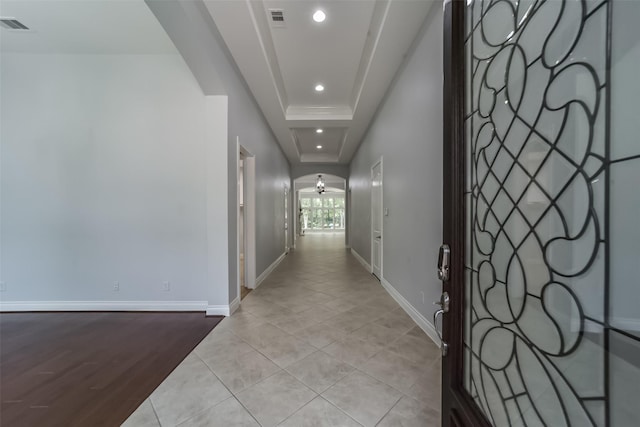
<point x="417" y="317"/>
<point x="361" y="260"/>
<point x="269" y="270"/>
<point x="103" y="306"/>
<point x="224" y="310"/>
<point x="235" y="304"/>
<point x="218" y="310"/>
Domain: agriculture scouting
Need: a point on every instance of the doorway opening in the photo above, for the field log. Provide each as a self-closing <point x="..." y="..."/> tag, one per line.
<point x="319" y="212"/>
<point x="246" y="265"/>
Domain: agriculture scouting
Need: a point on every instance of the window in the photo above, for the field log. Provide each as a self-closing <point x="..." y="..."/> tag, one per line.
<point x="322" y="211"/>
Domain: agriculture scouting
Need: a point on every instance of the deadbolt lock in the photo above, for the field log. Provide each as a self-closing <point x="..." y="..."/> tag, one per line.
<point x="443" y="262"/>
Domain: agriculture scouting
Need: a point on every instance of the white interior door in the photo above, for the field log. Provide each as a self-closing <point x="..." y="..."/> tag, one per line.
<point x="376" y="219"/>
<point x="247" y="196"/>
<point x="241" y="218"/>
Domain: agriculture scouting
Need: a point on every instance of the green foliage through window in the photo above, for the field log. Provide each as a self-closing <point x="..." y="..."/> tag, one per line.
<point x="322" y="212"/>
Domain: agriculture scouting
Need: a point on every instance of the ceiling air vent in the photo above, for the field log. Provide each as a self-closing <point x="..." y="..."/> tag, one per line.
<point x="277" y="17"/>
<point x="13" y="24"/>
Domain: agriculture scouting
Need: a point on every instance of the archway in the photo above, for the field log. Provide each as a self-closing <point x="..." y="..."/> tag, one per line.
<point x="320" y="212"/>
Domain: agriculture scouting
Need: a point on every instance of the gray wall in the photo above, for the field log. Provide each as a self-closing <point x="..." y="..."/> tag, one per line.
<point x="407" y="133"/>
<point x="248" y="126"/>
<point x="105" y="168"/>
<point x="110" y="173"/>
<point x="272" y="174"/>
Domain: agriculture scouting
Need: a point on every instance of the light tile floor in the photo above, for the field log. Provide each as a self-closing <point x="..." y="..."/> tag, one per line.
<point x="319" y="343"/>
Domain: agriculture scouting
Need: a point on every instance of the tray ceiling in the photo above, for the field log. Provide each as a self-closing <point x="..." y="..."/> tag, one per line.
<point x="354" y="54"/>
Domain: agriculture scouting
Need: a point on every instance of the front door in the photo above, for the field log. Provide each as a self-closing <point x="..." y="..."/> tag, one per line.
<point x="541" y="213"/>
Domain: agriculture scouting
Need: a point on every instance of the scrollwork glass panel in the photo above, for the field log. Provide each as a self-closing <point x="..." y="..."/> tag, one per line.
<point x="538" y="144"/>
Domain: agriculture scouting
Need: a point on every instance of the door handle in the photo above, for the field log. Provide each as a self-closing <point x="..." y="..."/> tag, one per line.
<point x="444" y="347"/>
<point x="444" y="308"/>
<point x="443" y="262"/>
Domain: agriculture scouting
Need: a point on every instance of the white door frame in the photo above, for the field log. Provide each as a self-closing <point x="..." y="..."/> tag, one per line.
<point x="295" y="218"/>
<point x="379" y="162"/>
<point x="249" y="190"/>
<point x="287" y="229"/>
<point x="347" y="216"/>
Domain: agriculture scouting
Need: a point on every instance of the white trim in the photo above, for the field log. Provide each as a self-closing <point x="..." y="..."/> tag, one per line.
<point x="381" y="213"/>
<point x="287" y="206"/>
<point x="295" y="218"/>
<point x="239" y="216"/>
<point x="250" y="220"/>
<point x="417" y="317"/>
<point x="347" y="215"/>
<point x="218" y="310"/>
<point x="224" y="310"/>
<point x="361" y="260"/>
<point x="103" y="306"/>
<point x="269" y="269"/>
<point x="235" y="304"/>
<point x="249" y="215"/>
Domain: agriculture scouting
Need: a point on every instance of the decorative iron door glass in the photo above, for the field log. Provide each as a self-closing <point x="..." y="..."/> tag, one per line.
<point x="552" y="324"/>
<point x="322" y="211"/>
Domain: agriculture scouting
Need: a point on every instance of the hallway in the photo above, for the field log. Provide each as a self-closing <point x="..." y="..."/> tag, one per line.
<point x="319" y="343"/>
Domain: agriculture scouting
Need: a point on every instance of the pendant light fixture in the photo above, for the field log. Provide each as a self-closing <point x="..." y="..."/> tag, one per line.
<point x="320" y="184"/>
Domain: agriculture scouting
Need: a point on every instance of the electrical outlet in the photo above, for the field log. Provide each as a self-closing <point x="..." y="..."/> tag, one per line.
<point x="166" y="286"/>
<point x="116" y="286"/>
<point x="422" y="292"/>
<point x="3" y="286"/>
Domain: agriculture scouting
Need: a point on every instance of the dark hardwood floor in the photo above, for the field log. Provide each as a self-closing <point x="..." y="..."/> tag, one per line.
<point x="88" y="369"/>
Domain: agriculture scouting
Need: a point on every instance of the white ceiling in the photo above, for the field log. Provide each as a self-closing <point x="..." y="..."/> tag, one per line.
<point x="355" y="53"/>
<point x="83" y="27"/>
<point x="303" y="48"/>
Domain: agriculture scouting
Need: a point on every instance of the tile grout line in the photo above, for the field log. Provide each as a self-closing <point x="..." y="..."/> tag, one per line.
<point x="281" y="369"/>
<point x="273" y="361"/>
<point x="275" y="296"/>
<point x="332" y="384"/>
<point x="153" y="408"/>
<point x="321" y="397"/>
<point x="233" y="396"/>
<point x="390" y="409"/>
<point x="251" y="385"/>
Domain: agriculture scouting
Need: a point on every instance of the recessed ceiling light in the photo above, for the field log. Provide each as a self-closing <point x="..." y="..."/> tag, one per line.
<point x="319" y="147"/>
<point x="319" y="131"/>
<point x="319" y="88"/>
<point x="319" y="16"/>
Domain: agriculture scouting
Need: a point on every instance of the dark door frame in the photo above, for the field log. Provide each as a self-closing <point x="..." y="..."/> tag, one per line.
<point x="458" y="407"/>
